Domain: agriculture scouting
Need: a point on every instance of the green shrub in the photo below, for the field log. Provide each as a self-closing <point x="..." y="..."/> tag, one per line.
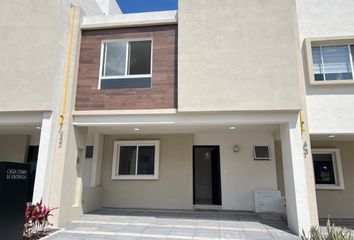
<point x="333" y="233"/>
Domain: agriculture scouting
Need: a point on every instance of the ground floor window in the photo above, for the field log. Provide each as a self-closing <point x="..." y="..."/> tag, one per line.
<point x="327" y="168"/>
<point x="135" y="159"/>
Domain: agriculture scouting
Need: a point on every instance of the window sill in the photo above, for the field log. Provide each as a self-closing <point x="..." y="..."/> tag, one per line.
<point x="135" y="177"/>
<point x="328" y="187"/>
<point x="332" y="82"/>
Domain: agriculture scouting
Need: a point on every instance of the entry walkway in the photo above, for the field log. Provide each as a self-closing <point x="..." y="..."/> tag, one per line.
<point x="129" y="224"/>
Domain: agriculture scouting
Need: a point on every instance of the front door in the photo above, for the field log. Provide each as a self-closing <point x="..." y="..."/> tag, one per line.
<point x="206" y="175"/>
<point x="32" y="157"/>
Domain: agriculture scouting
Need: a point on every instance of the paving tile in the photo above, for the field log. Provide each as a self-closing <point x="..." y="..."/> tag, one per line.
<point x="189" y="215"/>
<point x="185" y="232"/>
<point x="230" y="224"/>
<point x="157" y="230"/>
<point x="258" y="235"/>
<point x="71" y="236"/>
<point x="130" y="224"/>
<point x="165" y="221"/>
<point x="134" y="229"/>
<point x="208" y="223"/>
<point x="227" y="234"/>
<point x="225" y="217"/>
<point x="206" y="233"/>
<point x="186" y="222"/>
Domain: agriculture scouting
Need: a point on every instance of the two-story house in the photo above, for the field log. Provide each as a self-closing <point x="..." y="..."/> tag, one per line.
<point x="231" y="105"/>
<point x="183" y="112"/>
<point x="37" y="38"/>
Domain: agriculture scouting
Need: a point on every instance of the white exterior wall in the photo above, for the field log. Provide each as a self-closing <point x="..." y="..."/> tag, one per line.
<point x="240" y="174"/>
<point x="330" y="108"/>
<point x="13" y="148"/>
<point x="227" y="60"/>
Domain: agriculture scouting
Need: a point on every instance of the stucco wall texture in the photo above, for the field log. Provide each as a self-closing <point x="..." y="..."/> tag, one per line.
<point x="238" y="55"/>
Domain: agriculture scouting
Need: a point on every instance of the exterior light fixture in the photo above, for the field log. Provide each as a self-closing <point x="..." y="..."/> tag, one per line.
<point x="136" y="129"/>
<point x="331" y="136"/>
<point x="39" y="128"/>
<point x="232" y="128"/>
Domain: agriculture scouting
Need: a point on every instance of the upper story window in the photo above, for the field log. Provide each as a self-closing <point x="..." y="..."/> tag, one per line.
<point x="327" y="168"/>
<point x="126" y="64"/>
<point x="333" y="62"/>
<point x="330" y="60"/>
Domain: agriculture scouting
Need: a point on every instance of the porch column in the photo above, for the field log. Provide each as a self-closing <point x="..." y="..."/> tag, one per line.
<point x="44" y="161"/>
<point x="96" y="167"/>
<point x="296" y="193"/>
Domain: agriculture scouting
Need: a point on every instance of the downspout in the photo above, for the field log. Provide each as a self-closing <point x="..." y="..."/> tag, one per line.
<point x="68" y="63"/>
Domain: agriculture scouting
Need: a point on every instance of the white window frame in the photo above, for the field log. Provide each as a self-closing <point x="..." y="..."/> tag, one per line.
<point x="125" y="76"/>
<point x="115" y="161"/>
<point x="338" y="171"/>
<point x="326" y="41"/>
<point x="322" y="64"/>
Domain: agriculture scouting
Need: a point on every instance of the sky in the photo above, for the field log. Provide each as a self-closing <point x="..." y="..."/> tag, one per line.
<point x="133" y="6"/>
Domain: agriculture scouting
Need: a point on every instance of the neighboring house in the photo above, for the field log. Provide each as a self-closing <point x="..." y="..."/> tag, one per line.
<point x="34" y="61"/>
<point x="215" y="106"/>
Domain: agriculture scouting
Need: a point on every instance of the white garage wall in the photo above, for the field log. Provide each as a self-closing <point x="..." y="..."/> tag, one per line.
<point x="240" y="174"/>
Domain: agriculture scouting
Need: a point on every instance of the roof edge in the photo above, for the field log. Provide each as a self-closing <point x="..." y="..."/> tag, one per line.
<point x="129" y="20"/>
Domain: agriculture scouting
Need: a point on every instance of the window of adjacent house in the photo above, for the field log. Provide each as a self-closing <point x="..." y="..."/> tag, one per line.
<point x="135" y="160"/>
<point x="327" y="169"/>
<point x="333" y="62"/>
<point x="126" y="64"/>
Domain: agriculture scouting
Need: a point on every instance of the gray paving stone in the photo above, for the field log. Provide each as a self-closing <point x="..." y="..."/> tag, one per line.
<point x="129" y="224"/>
<point x="227" y="234"/>
<point x="206" y="233"/>
<point x="185" y="232"/>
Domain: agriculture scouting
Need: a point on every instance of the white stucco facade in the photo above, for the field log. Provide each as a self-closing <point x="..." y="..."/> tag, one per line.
<point x="248" y="78"/>
<point x="330" y="107"/>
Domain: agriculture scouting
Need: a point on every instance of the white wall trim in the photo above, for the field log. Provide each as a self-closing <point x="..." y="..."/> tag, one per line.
<point x="14" y="118"/>
<point x="124" y="112"/>
<point x="96" y="166"/>
<point x="296" y="191"/>
<point x="216" y="118"/>
<point x="44" y="161"/>
<point x="129" y="20"/>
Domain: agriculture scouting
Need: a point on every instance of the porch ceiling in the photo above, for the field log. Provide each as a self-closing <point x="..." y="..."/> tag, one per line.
<point x="332" y="137"/>
<point x="19" y="123"/>
<point x="141" y="129"/>
<point x="19" y="129"/>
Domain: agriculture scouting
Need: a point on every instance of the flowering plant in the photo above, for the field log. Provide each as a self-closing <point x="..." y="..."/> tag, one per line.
<point x="36" y="219"/>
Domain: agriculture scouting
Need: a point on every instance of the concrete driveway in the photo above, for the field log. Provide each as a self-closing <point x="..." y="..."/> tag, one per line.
<point x="129" y="224"/>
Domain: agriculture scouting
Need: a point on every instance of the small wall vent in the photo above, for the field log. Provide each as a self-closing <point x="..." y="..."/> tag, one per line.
<point x="261" y="152"/>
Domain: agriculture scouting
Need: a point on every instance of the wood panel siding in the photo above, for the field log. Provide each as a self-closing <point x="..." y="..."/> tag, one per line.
<point x="163" y="93"/>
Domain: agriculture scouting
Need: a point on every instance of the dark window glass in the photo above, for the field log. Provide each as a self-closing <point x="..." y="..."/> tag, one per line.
<point x="339" y="76"/>
<point x="89" y="152"/>
<point x="319" y="77"/>
<point x="126" y="83"/>
<point x="324" y="169"/>
<point x="140" y="57"/>
<point x="127" y="160"/>
<point x="146" y="160"/>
